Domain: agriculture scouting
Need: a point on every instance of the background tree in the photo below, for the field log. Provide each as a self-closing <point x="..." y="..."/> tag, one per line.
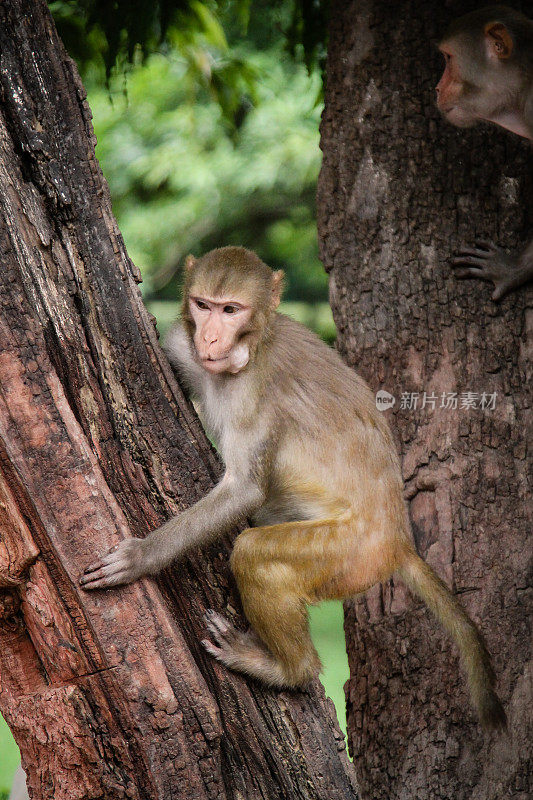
<point x="399" y="190"/>
<point x="109" y="695"/>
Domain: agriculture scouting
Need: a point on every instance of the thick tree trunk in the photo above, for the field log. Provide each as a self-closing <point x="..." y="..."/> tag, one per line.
<point x="399" y="190"/>
<point x="109" y="694"/>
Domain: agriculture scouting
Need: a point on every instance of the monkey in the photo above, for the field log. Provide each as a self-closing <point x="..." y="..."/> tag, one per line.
<point x="488" y="76"/>
<point x="309" y="460"/>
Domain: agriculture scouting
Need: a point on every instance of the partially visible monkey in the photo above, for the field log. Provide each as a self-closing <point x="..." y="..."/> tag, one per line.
<point x="309" y="459"/>
<point x="488" y="76"/>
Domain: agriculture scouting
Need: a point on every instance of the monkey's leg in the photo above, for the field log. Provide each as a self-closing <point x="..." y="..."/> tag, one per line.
<point x="278" y="570"/>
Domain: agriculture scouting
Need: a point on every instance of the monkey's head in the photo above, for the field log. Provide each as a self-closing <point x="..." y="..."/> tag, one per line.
<point x="488" y="54"/>
<point x="229" y="296"/>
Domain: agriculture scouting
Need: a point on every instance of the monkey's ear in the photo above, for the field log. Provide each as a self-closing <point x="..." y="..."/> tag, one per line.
<point x="277" y="287"/>
<point x="498" y="40"/>
<point x="190" y="261"/>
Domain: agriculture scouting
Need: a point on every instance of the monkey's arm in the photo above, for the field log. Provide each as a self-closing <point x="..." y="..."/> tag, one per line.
<point x="490" y="263"/>
<point x="177" y="346"/>
<point x="233" y="499"/>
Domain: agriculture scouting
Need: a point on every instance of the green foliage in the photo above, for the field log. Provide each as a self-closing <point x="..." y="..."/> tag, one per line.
<point x="183" y="181"/>
<point x="111" y="36"/>
<point x="308" y="28"/>
<point x="326" y="622"/>
<point x="115" y="30"/>
<point x="9" y="758"/>
<point x="211" y="140"/>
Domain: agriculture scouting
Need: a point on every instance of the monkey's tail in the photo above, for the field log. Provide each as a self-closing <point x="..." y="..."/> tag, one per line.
<point x="475" y="657"/>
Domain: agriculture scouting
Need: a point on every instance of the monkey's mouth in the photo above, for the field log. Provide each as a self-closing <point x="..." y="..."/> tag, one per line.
<point x="215" y="364"/>
<point x="211" y="360"/>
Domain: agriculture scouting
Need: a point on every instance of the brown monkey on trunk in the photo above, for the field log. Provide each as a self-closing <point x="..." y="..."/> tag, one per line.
<point x="309" y="459"/>
<point x="488" y="76"/>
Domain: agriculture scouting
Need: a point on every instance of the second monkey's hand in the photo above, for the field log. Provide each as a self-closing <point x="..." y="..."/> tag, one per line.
<point x="125" y="563"/>
<point x="490" y="263"/>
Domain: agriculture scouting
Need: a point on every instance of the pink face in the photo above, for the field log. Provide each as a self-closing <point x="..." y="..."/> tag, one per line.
<point x="219" y="323"/>
<point x="470" y="88"/>
<point x="449" y="89"/>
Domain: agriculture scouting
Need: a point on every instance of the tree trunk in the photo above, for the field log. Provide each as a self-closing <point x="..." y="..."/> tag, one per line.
<point x="400" y="189"/>
<point x="109" y="694"/>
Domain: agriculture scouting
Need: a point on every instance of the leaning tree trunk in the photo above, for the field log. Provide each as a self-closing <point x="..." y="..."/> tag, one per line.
<point x="109" y="694"/>
<point x="400" y="189"/>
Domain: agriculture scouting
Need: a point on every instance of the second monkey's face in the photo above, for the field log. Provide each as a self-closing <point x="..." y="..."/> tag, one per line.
<point x="220" y="324"/>
<point x="453" y="91"/>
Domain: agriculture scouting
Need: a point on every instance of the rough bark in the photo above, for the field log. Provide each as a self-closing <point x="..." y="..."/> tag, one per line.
<point x="109" y="694"/>
<point x="400" y="189"/>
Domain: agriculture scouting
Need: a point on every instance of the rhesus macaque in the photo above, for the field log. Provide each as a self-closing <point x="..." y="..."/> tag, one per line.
<point x="488" y="76"/>
<point x="309" y="460"/>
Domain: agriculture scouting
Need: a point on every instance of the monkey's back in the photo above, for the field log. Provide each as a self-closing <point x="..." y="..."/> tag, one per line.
<point x="333" y="439"/>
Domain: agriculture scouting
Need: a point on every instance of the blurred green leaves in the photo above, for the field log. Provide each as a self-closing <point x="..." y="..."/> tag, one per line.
<point x="183" y="181"/>
<point x="117" y="29"/>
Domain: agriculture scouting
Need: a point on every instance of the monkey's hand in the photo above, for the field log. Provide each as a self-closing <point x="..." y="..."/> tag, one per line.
<point x="123" y="564"/>
<point x="490" y="263"/>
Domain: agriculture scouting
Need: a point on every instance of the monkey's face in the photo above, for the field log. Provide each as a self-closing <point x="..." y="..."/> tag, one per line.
<point x="481" y="75"/>
<point x="454" y="93"/>
<point x="220" y="325"/>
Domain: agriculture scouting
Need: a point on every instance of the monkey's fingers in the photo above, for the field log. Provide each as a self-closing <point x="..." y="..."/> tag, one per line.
<point x="486" y="244"/>
<point x="216" y="624"/>
<point x="226" y="637"/>
<point x="104" y="577"/>
<point x="102" y="562"/>
<point x="473" y="262"/>
<point x="222" y="632"/>
<point x="472" y="252"/>
<point x="216" y="652"/>
<point x="469" y="272"/>
<point x="500" y="291"/>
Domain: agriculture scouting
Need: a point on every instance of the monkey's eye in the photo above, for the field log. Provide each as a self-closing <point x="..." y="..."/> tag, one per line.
<point x="201" y="304"/>
<point x="230" y="309"/>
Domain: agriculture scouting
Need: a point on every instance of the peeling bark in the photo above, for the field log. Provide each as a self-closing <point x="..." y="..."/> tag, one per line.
<point x="109" y="694"/>
<point x="400" y="189"/>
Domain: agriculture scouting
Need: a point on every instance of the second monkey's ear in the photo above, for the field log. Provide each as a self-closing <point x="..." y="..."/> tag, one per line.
<point x="190" y="261"/>
<point x="499" y="41"/>
<point x="277" y="287"/>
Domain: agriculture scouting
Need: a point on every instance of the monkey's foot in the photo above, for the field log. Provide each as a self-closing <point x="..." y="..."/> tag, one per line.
<point x="243" y="652"/>
<point x="490" y="263"/>
<point x="230" y="644"/>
